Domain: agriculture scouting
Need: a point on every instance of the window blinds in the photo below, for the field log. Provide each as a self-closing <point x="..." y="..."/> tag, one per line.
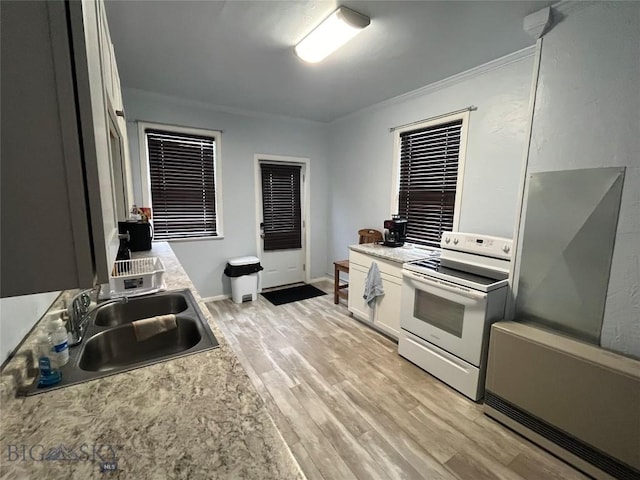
<point x="281" y="209"/>
<point x="428" y="179"/>
<point x="182" y="173"/>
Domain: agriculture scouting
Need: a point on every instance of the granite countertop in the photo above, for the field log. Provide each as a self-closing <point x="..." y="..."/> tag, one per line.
<point x="407" y="253"/>
<point x="194" y="417"/>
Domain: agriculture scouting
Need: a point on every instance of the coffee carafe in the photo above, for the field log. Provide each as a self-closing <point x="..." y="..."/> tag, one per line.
<point x="395" y="231"/>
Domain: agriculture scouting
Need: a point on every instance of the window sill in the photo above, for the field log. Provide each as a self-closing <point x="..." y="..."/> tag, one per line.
<point x="191" y="239"/>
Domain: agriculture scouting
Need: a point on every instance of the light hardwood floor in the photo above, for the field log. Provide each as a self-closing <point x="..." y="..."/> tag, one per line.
<point x="350" y="407"/>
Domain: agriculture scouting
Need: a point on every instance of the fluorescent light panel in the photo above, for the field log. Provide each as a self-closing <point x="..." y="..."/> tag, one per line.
<point x="336" y="30"/>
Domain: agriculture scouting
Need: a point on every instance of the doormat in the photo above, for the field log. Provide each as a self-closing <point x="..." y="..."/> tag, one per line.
<point x="293" y="294"/>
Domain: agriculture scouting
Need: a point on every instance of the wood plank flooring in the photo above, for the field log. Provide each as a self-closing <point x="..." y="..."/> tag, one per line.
<point x="350" y="407"/>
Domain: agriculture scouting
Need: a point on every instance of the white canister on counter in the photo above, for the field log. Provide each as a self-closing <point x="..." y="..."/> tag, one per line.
<point x="60" y="342"/>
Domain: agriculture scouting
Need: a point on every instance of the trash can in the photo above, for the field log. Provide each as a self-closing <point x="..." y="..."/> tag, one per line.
<point x="243" y="272"/>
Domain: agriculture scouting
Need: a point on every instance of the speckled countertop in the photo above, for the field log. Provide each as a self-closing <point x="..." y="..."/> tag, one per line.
<point x="407" y="253"/>
<point x="195" y="417"/>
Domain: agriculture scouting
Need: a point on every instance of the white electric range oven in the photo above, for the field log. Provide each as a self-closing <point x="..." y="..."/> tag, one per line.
<point x="448" y="306"/>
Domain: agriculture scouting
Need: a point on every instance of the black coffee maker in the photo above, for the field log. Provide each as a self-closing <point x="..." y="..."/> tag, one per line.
<point x="140" y="235"/>
<point x="395" y="231"/>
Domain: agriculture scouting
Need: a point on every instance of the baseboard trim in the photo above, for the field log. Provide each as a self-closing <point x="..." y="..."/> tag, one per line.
<point x="216" y="298"/>
<point x="320" y="279"/>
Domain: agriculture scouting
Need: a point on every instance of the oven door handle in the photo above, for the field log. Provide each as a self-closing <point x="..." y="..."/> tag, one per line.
<point x="437" y="284"/>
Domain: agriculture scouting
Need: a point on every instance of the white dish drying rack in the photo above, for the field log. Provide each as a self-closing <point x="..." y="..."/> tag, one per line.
<point x="138" y="276"/>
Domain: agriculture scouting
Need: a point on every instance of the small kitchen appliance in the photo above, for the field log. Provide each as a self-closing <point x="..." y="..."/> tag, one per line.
<point x="140" y="235"/>
<point x="395" y="231"/>
<point x="448" y="305"/>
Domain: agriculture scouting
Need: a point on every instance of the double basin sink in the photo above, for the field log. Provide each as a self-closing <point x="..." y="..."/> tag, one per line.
<point x="110" y="345"/>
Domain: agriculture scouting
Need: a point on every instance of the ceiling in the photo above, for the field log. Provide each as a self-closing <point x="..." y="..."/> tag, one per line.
<point x="239" y="54"/>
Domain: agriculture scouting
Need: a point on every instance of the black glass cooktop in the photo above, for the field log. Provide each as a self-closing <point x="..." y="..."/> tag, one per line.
<point x="436" y="265"/>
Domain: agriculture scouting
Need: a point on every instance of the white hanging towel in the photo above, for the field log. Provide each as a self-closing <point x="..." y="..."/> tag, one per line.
<point x="372" y="285"/>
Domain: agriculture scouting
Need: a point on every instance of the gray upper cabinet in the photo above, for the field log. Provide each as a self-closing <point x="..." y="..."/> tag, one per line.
<point x="64" y="155"/>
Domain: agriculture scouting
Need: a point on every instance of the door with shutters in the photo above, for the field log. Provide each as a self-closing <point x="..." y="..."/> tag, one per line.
<point x="280" y="213"/>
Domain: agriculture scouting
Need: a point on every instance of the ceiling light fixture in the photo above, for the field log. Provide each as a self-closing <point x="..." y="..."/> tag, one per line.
<point x="336" y="30"/>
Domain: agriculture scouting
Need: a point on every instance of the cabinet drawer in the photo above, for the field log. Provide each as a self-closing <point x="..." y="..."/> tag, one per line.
<point x="386" y="278"/>
<point x="390" y="268"/>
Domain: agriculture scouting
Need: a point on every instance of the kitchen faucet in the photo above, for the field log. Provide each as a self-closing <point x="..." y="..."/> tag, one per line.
<point x="79" y="313"/>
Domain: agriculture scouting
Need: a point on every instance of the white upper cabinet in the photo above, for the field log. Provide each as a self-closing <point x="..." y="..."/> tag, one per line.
<point x="121" y="167"/>
<point x="64" y="154"/>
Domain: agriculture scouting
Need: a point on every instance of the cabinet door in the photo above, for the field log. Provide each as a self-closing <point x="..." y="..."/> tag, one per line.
<point x="122" y="123"/>
<point x="357" y="305"/>
<point x="45" y="240"/>
<point x="119" y="181"/>
<point x="119" y="144"/>
<point x="387" y="309"/>
<point x="59" y="220"/>
<point x="105" y="50"/>
<point x="96" y="135"/>
<point x="119" y="112"/>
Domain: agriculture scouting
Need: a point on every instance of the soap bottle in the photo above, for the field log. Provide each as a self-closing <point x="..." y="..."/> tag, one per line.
<point x="60" y="341"/>
<point x="48" y="374"/>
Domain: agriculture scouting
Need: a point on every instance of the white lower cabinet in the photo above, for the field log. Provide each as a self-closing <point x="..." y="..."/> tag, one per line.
<point x="387" y="308"/>
<point x="357" y="305"/>
<point x="385" y="313"/>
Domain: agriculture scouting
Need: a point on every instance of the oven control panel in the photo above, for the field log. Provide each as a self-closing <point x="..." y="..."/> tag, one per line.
<point x="497" y="247"/>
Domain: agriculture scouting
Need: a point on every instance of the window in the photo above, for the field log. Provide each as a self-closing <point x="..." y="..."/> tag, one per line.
<point x="183" y="182"/>
<point x="281" y="208"/>
<point x="431" y="159"/>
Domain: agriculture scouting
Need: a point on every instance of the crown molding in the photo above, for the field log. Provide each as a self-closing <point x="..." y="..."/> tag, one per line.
<point x="186" y="102"/>
<point x="446" y="82"/>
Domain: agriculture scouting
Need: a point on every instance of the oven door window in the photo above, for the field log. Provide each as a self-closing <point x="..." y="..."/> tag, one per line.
<point x="439" y="312"/>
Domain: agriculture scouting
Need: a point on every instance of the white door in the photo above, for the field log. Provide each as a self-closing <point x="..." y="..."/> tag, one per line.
<point x="280" y="222"/>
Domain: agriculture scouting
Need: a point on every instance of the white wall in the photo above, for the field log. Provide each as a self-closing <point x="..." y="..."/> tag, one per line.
<point x="588" y="115"/>
<point x="18" y="315"/>
<point x="362" y="151"/>
<point x="243" y="136"/>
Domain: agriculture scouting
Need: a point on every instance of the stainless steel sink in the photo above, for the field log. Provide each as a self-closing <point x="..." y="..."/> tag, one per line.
<point x="110" y="345"/>
<point x="117" y="347"/>
<point x="139" y="308"/>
